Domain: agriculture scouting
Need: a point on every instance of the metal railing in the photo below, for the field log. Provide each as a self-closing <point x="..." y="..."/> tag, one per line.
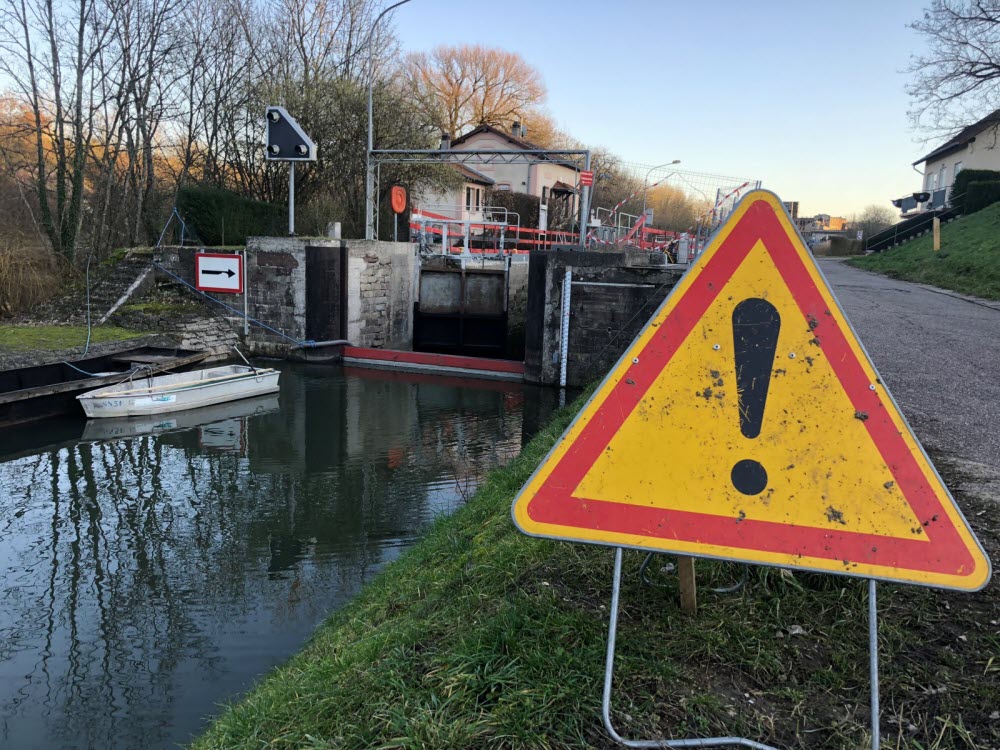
<point x="907" y="229"/>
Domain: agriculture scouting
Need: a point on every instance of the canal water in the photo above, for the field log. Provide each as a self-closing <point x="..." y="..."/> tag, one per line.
<point x="152" y="569"/>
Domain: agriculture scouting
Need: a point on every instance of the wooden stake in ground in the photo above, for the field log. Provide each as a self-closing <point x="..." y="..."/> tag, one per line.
<point x="689" y="587"/>
<point x="936" y="222"/>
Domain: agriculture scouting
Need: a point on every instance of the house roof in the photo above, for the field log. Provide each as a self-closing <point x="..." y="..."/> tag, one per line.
<point x="520" y="143"/>
<point x="963" y="138"/>
<point x="472" y="175"/>
<point x="561" y="187"/>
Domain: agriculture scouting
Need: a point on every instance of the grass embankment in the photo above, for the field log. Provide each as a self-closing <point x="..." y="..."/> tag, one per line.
<point x="29" y="338"/>
<point x="968" y="261"/>
<point x="158" y="307"/>
<point x="480" y="637"/>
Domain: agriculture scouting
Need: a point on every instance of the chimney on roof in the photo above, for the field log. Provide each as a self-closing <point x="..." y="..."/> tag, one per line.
<point x="515" y="129"/>
<point x="445" y="142"/>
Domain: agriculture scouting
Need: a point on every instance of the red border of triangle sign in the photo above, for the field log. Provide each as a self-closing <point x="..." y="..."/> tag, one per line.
<point x="615" y="477"/>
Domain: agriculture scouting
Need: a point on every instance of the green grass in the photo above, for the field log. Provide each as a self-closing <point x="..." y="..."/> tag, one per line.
<point x="480" y="637"/>
<point x="30" y="338"/>
<point x="968" y="262"/>
<point x="161" y="307"/>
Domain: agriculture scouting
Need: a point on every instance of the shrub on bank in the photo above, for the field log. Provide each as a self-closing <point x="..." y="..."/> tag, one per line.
<point x="960" y="186"/>
<point x="981" y="194"/>
<point x="221" y="217"/>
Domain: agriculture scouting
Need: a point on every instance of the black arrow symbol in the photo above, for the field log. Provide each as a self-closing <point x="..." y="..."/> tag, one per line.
<point x="229" y="272"/>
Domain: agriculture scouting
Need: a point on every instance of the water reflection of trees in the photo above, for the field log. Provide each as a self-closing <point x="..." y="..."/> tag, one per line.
<point x="130" y="566"/>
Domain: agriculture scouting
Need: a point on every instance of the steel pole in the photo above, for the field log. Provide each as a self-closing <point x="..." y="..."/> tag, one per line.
<point x="369" y="176"/>
<point x="246" y="300"/>
<point x="584" y="205"/>
<point x="291" y="199"/>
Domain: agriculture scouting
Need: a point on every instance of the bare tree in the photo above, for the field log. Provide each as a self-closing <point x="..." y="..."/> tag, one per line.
<point x="957" y="80"/>
<point x="48" y="50"/>
<point x="459" y="88"/>
<point x="872" y="220"/>
<point x="116" y="104"/>
<point x="674" y="209"/>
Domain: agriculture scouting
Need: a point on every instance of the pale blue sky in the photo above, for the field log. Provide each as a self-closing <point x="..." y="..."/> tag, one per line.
<point x="806" y="96"/>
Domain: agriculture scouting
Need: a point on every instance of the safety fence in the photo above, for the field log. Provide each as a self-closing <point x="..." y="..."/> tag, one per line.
<point x="698" y="202"/>
<point x="454" y="235"/>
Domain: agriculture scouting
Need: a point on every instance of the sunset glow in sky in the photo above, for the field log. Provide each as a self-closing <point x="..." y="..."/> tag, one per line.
<point x="807" y="97"/>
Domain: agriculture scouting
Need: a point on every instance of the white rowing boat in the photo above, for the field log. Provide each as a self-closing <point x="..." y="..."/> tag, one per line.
<point x="188" y="390"/>
<point x="204" y="418"/>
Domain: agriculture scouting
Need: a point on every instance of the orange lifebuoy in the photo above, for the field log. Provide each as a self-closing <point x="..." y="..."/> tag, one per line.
<point x="397" y="198"/>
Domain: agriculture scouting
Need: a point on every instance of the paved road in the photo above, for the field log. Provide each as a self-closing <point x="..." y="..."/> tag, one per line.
<point x="938" y="354"/>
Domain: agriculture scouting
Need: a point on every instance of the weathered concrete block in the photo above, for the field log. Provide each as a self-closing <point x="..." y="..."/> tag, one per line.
<point x="611" y="298"/>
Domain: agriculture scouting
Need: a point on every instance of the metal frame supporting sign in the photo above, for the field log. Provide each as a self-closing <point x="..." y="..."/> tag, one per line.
<point x="609" y="669"/>
<point x="802" y="459"/>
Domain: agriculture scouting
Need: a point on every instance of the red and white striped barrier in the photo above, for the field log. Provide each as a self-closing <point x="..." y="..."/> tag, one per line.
<point x="634" y="194"/>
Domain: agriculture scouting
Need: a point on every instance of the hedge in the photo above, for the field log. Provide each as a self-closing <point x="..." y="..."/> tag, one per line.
<point x="526" y="206"/>
<point x="980" y="194"/>
<point x="960" y="187"/>
<point x="221" y="217"/>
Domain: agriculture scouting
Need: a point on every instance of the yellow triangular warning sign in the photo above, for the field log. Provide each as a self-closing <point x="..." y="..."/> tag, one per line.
<point x="746" y="422"/>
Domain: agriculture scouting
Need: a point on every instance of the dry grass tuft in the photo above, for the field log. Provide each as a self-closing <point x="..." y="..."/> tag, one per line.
<point x="28" y="275"/>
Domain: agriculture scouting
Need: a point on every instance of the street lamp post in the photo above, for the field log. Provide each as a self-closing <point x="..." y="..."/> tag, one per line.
<point x="369" y="173"/>
<point x="645" y="180"/>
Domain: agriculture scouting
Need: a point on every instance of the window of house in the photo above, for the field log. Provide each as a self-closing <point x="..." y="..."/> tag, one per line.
<point x="941" y="176"/>
<point x="479" y="193"/>
<point x="955" y="170"/>
<point x="468" y="198"/>
<point x="503" y="186"/>
<point x="931" y="180"/>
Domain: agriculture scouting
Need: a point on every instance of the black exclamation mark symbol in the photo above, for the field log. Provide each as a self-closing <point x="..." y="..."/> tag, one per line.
<point x="755" y="337"/>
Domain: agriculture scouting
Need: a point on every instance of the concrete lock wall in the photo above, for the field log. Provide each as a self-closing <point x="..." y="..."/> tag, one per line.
<point x="381" y="290"/>
<point x="276" y="290"/>
<point x="295" y="285"/>
<point x="517" y="304"/>
<point x="612" y="297"/>
<point x="215" y="329"/>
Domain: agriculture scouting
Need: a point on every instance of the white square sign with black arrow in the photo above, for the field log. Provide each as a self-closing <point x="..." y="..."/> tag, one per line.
<point x="218" y="272"/>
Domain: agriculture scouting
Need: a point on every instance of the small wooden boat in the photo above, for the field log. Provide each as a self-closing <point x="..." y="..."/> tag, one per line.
<point x="189" y="390"/>
<point x="100" y="430"/>
<point x="32" y="393"/>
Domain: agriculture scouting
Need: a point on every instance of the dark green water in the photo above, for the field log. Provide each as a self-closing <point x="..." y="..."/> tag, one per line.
<point x="151" y="569"/>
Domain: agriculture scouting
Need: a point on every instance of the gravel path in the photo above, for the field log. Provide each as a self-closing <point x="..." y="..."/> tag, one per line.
<point x="938" y="353"/>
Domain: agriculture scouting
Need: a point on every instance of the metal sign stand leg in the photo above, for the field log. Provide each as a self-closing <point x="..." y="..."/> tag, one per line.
<point x="873" y="661"/>
<point x="609" y="669"/>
